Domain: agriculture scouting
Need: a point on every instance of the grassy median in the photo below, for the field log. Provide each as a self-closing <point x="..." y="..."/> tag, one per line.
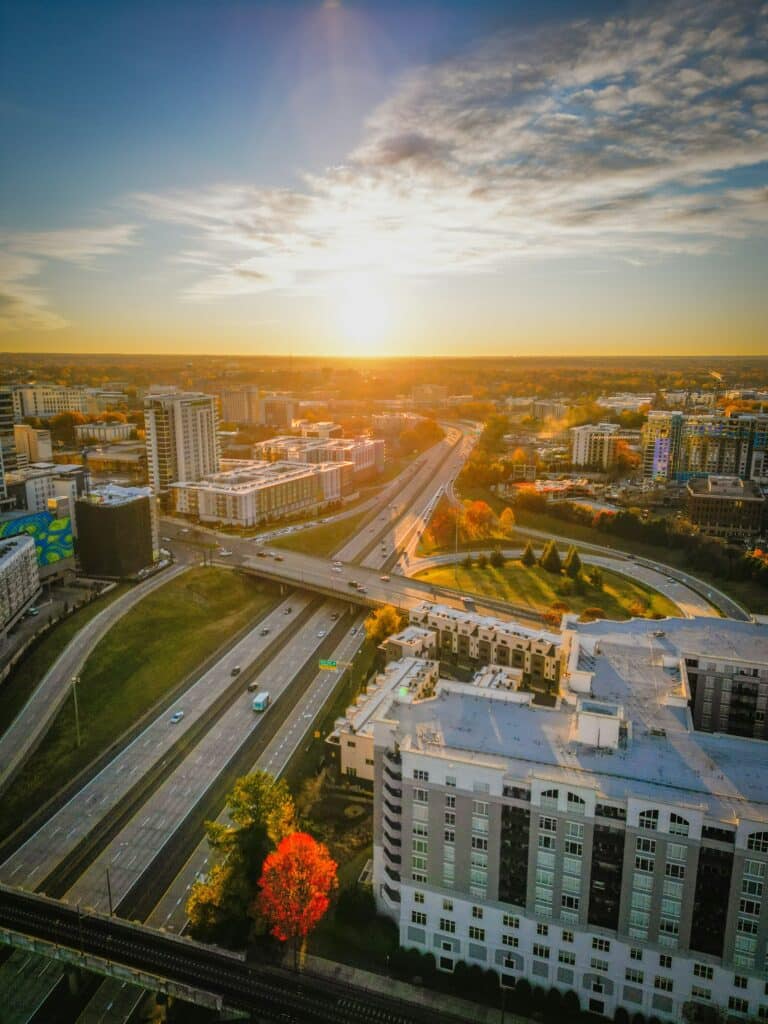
<point x="538" y="589"/>
<point x="147" y="653"/>
<point x="322" y="540"/>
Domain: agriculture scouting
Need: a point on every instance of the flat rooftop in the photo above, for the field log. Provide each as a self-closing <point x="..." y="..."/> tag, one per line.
<point x="250" y="475"/>
<point x="664" y="758"/>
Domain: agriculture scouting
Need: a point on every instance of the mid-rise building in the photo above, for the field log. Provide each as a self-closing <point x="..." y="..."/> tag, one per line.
<point x="726" y="506"/>
<point x="33" y="487"/>
<point x="32" y="445"/>
<point x="240" y="405"/>
<point x="182" y="438"/>
<point x="117" y="531"/>
<point x="103" y="432"/>
<point x="323" y="429"/>
<point x="366" y="454"/>
<point x="594" y="444"/>
<point x="603" y="845"/>
<point x="277" y="410"/>
<point x="676" y="445"/>
<point x="246" y="493"/>
<point x="395" y="422"/>
<point x="19" y="577"/>
<point x="549" y="409"/>
<point x="46" y="400"/>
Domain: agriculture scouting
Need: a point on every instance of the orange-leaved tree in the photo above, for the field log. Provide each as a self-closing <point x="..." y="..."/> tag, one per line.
<point x="295" y="885"/>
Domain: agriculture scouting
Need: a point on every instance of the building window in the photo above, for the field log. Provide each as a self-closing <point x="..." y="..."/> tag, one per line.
<point x="697" y="992"/>
<point x="643" y="845"/>
<point x="649" y="820"/>
<point x="570" y="902"/>
<point x="758" y="841"/>
<point x="542" y="929"/>
<point x="480" y="807"/>
<point x="477" y="913"/>
<point x="420" y="796"/>
<point x="450" y="800"/>
<point x="635" y="953"/>
<point x="479" y="843"/>
<point x="546" y="842"/>
<point x="418" y="897"/>
<point x="510" y="940"/>
<point x="450" y="817"/>
<point x="662" y="984"/>
<point x="703" y="971"/>
<point x="548" y="824"/>
<point x="478" y="934"/>
<point x="678" y="826"/>
<point x="597" y="964"/>
<point x="567" y="956"/>
<point x="450" y="780"/>
<point x="676" y="851"/>
<point x="542" y="952"/>
<point x="738" y="1005"/>
<point x="739" y="981"/>
<point x="665" y="961"/>
<point x="448" y="905"/>
<point x="601" y="945"/>
<point x="420" y="775"/>
<point x="447" y="925"/>
<point x="634" y="975"/>
<point x="509" y="921"/>
<point x="449" y="835"/>
<point x="568" y="936"/>
<point x="418" y="917"/>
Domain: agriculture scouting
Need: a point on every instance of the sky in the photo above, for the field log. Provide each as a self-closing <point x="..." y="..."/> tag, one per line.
<point x="344" y="177"/>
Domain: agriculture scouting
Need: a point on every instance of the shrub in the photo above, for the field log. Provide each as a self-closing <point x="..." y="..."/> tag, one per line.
<point x="497" y="558"/>
<point x="482" y="561"/>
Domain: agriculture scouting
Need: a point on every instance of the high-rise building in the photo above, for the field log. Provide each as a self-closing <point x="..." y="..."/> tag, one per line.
<point x="19" y="576"/>
<point x="182" y="438"/>
<point x="661" y="444"/>
<point x="7" y="439"/>
<point x="613" y="844"/>
<point x="240" y="405"/>
<point x="117" y="531"/>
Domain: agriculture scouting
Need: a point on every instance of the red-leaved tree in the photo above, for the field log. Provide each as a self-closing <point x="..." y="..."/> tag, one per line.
<point x="296" y="882"/>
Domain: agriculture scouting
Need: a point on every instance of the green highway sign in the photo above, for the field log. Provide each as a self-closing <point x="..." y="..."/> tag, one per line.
<point x="328" y="664"/>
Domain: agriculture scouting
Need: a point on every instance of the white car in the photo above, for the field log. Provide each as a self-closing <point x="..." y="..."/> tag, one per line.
<point x="224" y="552"/>
<point x="176" y="717"/>
<point x="321" y="634"/>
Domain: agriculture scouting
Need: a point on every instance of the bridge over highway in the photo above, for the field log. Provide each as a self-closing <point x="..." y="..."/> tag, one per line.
<point x="197" y="973"/>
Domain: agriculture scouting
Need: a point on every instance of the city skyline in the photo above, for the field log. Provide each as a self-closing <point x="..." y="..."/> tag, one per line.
<point x="337" y="178"/>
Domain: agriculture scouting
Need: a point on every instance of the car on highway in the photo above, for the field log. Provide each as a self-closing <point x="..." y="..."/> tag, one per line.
<point x="335" y="616"/>
<point x="185" y="530"/>
<point x="262" y="554"/>
<point x="352" y="583"/>
<point x="166" y="540"/>
<point x="337" y="568"/>
<point x="279" y="558"/>
<point x="235" y="671"/>
<point x="320" y="634"/>
<point x="225" y="552"/>
<point x="176" y="717"/>
<point x="265" y="631"/>
<point x="288" y="610"/>
<point x="353" y="631"/>
<point x="385" y="578"/>
<point x="361" y="589"/>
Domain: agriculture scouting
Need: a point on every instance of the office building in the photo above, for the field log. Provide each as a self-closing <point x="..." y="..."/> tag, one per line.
<point x="594" y="444"/>
<point x="277" y="410"/>
<point x="182" y="438"/>
<point x="549" y="409"/>
<point x="19" y="577"/>
<point x="117" y="531"/>
<point x="323" y="429"/>
<point x="366" y="454"/>
<point x="726" y="506"/>
<point x="86" y="433"/>
<point x="46" y="400"/>
<point x="240" y="405"/>
<point x="246" y="493"/>
<point x="33" y="487"/>
<point x="603" y="845"/>
<point x="32" y="445"/>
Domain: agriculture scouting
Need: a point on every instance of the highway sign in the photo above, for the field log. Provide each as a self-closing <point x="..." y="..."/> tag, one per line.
<point x="328" y="664"/>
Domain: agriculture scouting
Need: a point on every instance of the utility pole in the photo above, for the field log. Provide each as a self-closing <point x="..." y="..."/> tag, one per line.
<point x="75" y="681"/>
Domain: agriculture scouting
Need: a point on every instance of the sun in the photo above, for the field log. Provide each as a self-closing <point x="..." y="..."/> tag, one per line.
<point x="362" y="311"/>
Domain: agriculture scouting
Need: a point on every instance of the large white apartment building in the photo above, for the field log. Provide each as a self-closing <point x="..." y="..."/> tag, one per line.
<point x="603" y="845"/>
<point x="46" y="400"/>
<point x="182" y="438"/>
<point x="247" y="493"/>
<point x="19" y="577"/>
<point x="104" y="432"/>
<point x="34" y="486"/>
<point x="366" y="454"/>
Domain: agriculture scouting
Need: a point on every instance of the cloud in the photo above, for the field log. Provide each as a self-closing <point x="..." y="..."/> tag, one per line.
<point x="615" y="139"/>
<point x="23" y="256"/>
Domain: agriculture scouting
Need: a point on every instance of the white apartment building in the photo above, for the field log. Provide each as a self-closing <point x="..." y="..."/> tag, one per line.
<point x="366" y="454"/>
<point x="42" y="482"/>
<point x="604" y="845"/>
<point x="182" y="438"/>
<point x="46" y="400"/>
<point x="247" y="493"/>
<point x="594" y="444"/>
<point x="104" y="432"/>
<point x="240" y="405"/>
<point x="19" y="577"/>
<point x="31" y="445"/>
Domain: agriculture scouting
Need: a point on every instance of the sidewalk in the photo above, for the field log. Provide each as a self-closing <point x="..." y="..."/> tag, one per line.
<point x="452" y="1008"/>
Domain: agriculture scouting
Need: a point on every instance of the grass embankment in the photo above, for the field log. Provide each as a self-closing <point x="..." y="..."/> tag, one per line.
<point x="536" y="588"/>
<point x="146" y="654"/>
<point x="322" y="540"/>
<point x="16" y="690"/>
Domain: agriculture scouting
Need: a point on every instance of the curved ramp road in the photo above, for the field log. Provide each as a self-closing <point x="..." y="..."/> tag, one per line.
<point x="32" y="722"/>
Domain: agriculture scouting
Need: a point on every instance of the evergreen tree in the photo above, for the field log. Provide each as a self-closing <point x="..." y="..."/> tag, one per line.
<point x="497" y="558"/>
<point x="550" y="558"/>
<point x="529" y="556"/>
<point x="572" y="564"/>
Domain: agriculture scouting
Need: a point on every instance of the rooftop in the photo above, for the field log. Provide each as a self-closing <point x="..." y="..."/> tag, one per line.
<point x="114" y="494"/>
<point x="247" y="475"/>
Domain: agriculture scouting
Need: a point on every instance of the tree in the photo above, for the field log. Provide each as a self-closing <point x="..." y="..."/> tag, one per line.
<point x="596" y="578"/>
<point x="295" y="885"/>
<point x="383" y="622"/>
<point x="550" y="558"/>
<point x="497" y="558"/>
<point x="467" y="561"/>
<point x="590" y="614"/>
<point x="479" y="519"/>
<point x="507" y="521"/>
<point x="482" y="560"/>
<point x="262" y="813"/>
<point x="529" y="556"/>
<point x="572" y="563"/>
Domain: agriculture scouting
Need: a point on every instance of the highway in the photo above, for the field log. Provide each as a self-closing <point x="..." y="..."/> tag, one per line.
<point x="28" y="728"/>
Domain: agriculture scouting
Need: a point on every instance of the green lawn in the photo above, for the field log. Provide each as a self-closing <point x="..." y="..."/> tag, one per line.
<point x="15" y="691"/>
<point x="537" y="589"/>
<point x="322" y="540"/>
<point x="145" y="654"/>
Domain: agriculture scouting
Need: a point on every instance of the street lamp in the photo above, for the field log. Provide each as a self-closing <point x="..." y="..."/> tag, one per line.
<point x="75" y="681"/>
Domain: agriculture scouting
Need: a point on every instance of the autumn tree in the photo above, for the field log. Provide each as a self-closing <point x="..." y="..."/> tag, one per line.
<point x="383" y="622"/>
<point x="507" y="521"/>
<point x="572" y="563"/>
<point x="262" y="813"/>
<point x="528" y="557"/>
<point x="549" y="558"/>
<point x="479" y="519"/>
<point x="295" y="887"/>
<point x="444" y="524"/>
